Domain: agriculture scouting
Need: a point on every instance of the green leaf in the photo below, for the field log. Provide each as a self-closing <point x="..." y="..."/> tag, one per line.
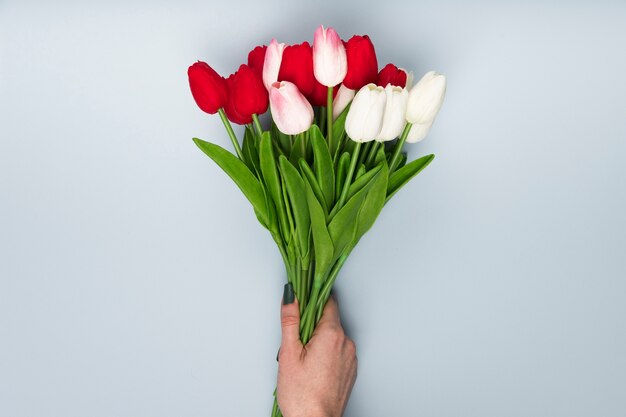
<point x="373" y="204"/>
<point x="402" y="161"/>
<point x="359" y="213"/>
<point x="250" y="153"/>
<point x="363" y="180"/>
<point x="322" y="242"/>
<point x="298" y="150"/>
<point x="283" y="141"/>
<point x="272" y="181"/>
<point x="240" y="174"/>
<point x="380" y="155"/>
<point x="403" y="175"/>
<point x="296" y="191"/>
<point x="324" y="170"/>
<point x="342" y="170"/>
<point x="342" y="227"/>
<point x="307" y="173"/>
<point x="360" y="171"/>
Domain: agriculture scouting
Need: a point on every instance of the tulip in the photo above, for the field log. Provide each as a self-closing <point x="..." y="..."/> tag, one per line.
<point x="425" y="98"/>
<point x="319" y="95"/>
<point x="409" y="80"/>
<point x="329" y="57"/>
<point x="291" y="111"/>
<point x="271" y="64"/>
<point x="342" y="99"/>
<point x="248" y="95"/>
<point x="256" y="58"/>
<point x="418" y="132"/>
<point x="229" y="107"/>
<point x="207" y="87"/>
<point x="297" y="67"/>
<point x="365" y="116"/>
<point x="393" y="116"/>
<point x="361" y="61"/>
<point x="393" y="75"/>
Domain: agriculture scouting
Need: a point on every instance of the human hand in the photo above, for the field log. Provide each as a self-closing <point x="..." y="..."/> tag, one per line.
<point x="314" y="380"/>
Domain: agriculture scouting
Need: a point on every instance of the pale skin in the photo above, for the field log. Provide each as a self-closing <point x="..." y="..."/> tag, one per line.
<point x="315" y="380"/>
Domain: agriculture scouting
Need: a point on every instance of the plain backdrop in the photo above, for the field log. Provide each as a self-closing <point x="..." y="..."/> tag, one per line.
<point x="135" y="281"/>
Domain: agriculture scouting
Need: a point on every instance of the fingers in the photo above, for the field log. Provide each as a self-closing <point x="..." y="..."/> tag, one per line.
<point x="330" y="315"/>
<point x="290" y="323"/>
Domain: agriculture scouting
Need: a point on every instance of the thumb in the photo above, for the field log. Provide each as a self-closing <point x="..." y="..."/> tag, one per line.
<point x="290" y="322"/>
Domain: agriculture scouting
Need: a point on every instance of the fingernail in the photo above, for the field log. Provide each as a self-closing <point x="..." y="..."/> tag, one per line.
<point x="288" y="295"/>
<point x="277" y="353"/>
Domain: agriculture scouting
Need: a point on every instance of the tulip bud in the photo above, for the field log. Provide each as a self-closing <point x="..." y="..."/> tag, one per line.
<point x="395" y="109"/>
<point x="361" y="61"/>
<point x="297" y="67"/>
<point x="425" y="98"/>
<point x="365" y="116"/>
<point x="329" y="57"/>
<point x="229" y="107"/>
<point x="247" y="95"/>
<point x="393" y="75"/>
<point x="256" y="58"/>
<point x="291" y="111"/>
<point x="342" y="99"/>
<point x="418" y="132"/>
<point x="207" y="87"/>
<point x="271" y="65"/>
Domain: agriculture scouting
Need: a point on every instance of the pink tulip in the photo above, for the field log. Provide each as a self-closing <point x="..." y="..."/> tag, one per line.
<point x="291" y="111"/>
<point x="271" y="65"/>
<point x="342" y="99"/>
<point x="330" y="64"/>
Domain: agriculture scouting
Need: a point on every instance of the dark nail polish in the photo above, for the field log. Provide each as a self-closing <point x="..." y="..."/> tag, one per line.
<point x="288" y="295"/>
<point x="277" y="353"/>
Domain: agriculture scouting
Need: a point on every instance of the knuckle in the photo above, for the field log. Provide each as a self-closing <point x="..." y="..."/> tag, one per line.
<point x="350" y="347"/>
<point x="289" y="321"/>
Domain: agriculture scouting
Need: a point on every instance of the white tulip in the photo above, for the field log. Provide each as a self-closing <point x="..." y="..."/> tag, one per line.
<point x="409" y="79"/>
<point x="365" y="117"/>
<point x="425" y="98"/>
<point x="393" y="116"/>
<point x="342" y="99"/>
<point x="418" y="132"/>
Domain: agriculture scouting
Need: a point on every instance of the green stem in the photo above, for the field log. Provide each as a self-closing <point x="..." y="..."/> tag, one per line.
<point x="366" y="150"/>
<point x="328" y="284"/>
<point x="329" y="118"/>
<point x="372" y="155"/>
<point x="257" y="124"/>
<point x="346" y="185"/>
<point x="231" y="133"/>
<point x="303" y="144"/>
<point x="398" y="148"/>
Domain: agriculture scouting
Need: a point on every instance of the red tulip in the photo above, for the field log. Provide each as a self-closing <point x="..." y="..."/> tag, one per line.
<point x="229" y="107"/>
<point x="207" y="87"/>
<point x="392" y="75"/>
<point x="248" y="95"/>
<point x="319" y="95"/>
<point x="362" y="64"/>
<point x="297" y="67"/>
<point x="256" y="57"/>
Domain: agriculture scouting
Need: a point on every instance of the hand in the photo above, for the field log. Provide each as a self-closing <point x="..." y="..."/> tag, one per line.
<point x="314" y="380"/>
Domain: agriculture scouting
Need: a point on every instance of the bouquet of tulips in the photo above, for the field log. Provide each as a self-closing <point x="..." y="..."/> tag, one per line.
<point x="332" y="155"/>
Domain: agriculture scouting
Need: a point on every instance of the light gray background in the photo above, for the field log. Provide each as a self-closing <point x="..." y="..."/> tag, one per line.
<point x="135" y="281"/>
